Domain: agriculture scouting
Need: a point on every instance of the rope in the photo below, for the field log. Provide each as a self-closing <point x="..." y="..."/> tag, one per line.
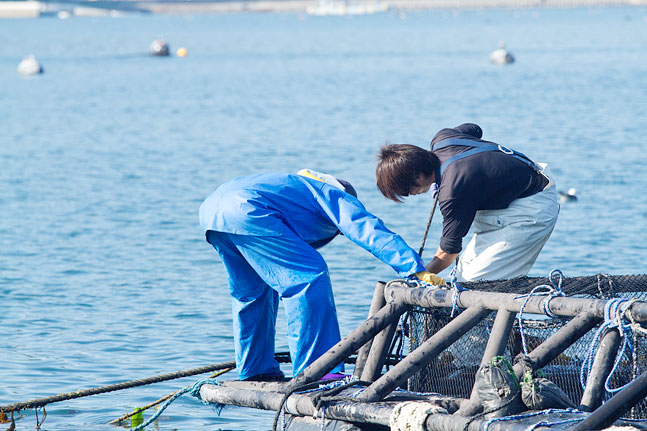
<point x="412" y="415"/>
<point x="193" y="390"/>
<point x="550" y="291"/>
<point x="154" y="403"/>
<point x="327" y="395"/>
<point x="615" y="317"/>
<point x="323" y="418"/>
<point x="635" y="326"/>
<point x="434" y="191"/>
<point x="612" y="293"/>
<point x="487" y="412"/>
<point x="280" y="411"/>
<point x="39" y="402"/>
<point x="530" y="415"/>
<point x="457" y="290"/>
<point x="397" y="344"/>
<point x="330" y="395"/>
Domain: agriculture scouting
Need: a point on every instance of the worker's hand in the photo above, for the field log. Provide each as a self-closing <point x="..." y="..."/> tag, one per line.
<point x="428" y="278"/>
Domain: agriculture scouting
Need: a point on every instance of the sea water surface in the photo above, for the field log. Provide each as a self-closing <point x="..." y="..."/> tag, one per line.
<point x="104" y="160"/>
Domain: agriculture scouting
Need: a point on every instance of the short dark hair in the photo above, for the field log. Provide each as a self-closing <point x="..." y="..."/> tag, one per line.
<point x="399" y="166"/>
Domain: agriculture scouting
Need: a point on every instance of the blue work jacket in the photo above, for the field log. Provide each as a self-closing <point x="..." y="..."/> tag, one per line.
<point x="271" y="204"/>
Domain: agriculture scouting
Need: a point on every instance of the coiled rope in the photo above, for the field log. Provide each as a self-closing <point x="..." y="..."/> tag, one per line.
<point x="615" y="317"/>
<point x="550" y="291"/>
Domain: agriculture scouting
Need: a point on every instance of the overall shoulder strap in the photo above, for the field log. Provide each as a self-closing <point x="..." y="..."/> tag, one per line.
<point x="478" y="147"/>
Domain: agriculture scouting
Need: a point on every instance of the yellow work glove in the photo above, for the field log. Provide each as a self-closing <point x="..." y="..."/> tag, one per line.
<point x="429" y="278"/>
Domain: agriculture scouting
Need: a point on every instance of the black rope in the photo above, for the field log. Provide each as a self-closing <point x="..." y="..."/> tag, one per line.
<point x="325" y="396"/>
<point x="304" y="387"/>
<point x="40" y="402"/>
<point x="431" y="216"/>
<point x="487" y="412"/>
<point x="330" y="395"/>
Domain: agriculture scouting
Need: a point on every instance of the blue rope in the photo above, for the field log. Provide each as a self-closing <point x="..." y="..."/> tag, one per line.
<point x="426" y="394"/>
<point x="457" y="290"/>
<point x="323" y="418"/>
<point x="552" y="424"/>
<point x="405" y="333"/>
<point x="550" y="291"/>
<point x="322" y="387"/>
<point x="331" y="385"/>
<point x="414" y="281"/>
<point x="193" y="390"/>
<point x="614" y="318"/>
<point x="530" y="415"/>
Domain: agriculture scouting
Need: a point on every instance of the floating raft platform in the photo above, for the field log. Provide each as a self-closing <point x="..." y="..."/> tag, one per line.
<point x="379" y="400"/>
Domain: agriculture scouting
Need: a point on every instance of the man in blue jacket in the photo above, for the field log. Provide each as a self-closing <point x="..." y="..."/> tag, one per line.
<point x="266" y="229"/>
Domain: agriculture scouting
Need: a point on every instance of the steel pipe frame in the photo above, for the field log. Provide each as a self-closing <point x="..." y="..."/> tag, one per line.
<point x="441" y="422"/>
<point x="377" y="355"/>
<point x="399" y="291"/>
<point x="610" y="411"/>
<point x="389" y="314"/>
<point x="373" y="413"/>
<point x="302" y="404"/>
<point x="558" y="342"/>
<point x="496" y="345"/>
<point x="602" y="365"/>
<point x="379" y="413"/>
<point x="586" y="313"/>
<point x="296" y="404"/>
<point x="376" y="304"/>
<point x="424" y="354"/>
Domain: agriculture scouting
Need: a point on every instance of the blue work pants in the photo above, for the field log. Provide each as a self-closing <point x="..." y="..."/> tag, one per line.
<point x="262" y="269"/>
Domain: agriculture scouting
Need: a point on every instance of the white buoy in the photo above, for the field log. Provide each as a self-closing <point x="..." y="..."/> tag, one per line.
<point x="501" y="55"/>
<point x="159" y="48"/>
<point x="29" y="66"/>
<point x="568" y="196"/>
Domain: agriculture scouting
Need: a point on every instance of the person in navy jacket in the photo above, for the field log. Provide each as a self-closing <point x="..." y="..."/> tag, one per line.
<point x="266" y="229"/>
<point x="509" y="201"/>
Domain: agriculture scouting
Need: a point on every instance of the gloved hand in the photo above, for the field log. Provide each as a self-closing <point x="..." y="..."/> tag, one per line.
<point x="428" y="278"/>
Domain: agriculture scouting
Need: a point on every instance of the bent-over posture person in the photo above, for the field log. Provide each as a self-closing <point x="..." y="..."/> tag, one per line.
<point x="266" y="229"/>
<point x="510" y="201"/>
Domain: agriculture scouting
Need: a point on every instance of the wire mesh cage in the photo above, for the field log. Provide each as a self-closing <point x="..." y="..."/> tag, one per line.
<point x="453" y="371"/>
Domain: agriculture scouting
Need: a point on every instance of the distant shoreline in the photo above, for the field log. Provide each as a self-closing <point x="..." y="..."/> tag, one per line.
<point x="34" y="9"/>
<point x="301" y="6"/>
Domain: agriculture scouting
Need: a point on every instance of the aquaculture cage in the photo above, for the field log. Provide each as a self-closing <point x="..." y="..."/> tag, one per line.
<point x="453" y="372"/>
<point x="568" y="325"/>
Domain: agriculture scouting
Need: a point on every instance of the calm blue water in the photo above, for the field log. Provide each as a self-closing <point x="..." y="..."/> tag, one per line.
<point x="105" y="159"/>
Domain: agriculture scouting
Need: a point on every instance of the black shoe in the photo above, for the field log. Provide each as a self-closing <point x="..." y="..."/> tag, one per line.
<point x="269" y="377"/>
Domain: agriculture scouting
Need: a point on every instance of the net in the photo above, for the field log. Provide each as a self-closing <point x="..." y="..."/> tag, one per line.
<point x="452" y="372"/>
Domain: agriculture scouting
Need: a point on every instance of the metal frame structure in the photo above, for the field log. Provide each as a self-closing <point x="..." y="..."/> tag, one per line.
<point x="390" y="301"/>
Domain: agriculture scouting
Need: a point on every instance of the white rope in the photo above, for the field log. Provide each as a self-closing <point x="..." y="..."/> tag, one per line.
<point x="412" y="415"/>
